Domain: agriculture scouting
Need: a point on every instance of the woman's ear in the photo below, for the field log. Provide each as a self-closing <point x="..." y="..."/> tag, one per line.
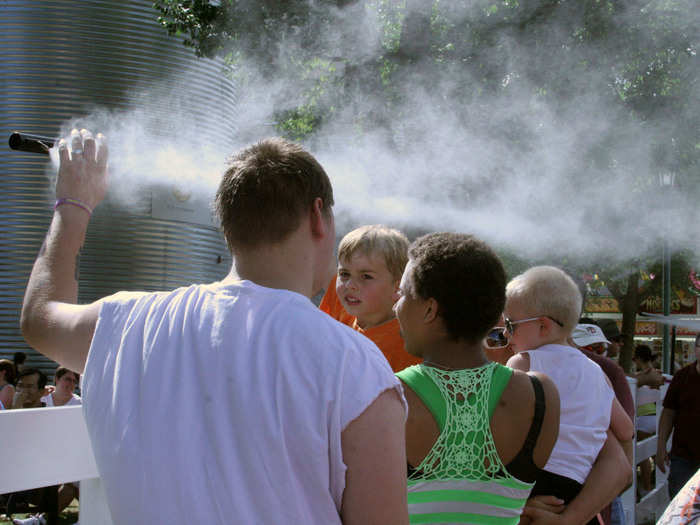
<point x="430" y="312"/>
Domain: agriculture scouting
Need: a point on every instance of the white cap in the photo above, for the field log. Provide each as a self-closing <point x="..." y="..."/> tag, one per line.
<point x="588" y="334"/>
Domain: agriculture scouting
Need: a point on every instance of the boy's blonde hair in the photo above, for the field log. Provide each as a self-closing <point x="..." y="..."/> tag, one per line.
<point x="391" y="244"/>
<point x="548" y="291"/>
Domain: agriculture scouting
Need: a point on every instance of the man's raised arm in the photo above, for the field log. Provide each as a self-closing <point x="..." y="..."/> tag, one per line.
<point x="51" y="321"/>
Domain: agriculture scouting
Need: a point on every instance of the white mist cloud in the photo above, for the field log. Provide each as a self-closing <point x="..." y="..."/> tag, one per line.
<point x="499" y="167"/>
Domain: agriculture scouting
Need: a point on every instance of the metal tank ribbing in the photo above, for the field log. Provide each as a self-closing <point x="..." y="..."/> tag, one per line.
<point x="63" y="59"/>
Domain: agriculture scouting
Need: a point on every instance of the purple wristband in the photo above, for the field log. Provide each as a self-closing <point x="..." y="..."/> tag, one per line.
<point x="74" y="202"/>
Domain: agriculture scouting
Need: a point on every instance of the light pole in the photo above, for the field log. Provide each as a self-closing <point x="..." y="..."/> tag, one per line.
<point x="666" y="180"/>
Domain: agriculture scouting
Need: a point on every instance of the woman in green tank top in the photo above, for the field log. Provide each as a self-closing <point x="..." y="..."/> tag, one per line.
<point x="476" y="432"/>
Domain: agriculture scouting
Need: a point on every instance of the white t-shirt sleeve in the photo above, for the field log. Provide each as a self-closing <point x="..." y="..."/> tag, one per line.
<point x="366" y="376"/>
<point x="102" y="360"/>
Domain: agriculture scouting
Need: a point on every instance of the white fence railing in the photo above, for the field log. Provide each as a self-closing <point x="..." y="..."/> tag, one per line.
<point x="48" y="446"/>
<point x="651" y="506"/>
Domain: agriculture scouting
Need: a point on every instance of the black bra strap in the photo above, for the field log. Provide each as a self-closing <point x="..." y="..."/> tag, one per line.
<point x="523" y="466"/>
<point x="537" y="419"/>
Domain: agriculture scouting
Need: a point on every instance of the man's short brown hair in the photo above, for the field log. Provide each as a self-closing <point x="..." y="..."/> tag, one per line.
<point x="265" y="191"/>
<point x="390" y="244"/>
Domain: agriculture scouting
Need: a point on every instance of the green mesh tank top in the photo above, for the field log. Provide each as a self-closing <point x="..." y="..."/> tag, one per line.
<point x="462" y="479"/>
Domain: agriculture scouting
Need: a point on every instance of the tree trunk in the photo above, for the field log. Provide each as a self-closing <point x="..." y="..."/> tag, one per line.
<point x="630" y="302"/>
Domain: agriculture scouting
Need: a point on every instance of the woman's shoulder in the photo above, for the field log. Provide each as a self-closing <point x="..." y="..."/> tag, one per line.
<point x="524" y="388"/>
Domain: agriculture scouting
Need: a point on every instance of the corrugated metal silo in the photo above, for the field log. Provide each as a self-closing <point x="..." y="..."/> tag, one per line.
<point x="61" y="59"/>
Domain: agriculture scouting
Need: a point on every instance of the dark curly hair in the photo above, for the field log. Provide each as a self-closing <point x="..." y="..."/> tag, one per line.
<point x="465" y="277"/>
<point x="265" y="191"/>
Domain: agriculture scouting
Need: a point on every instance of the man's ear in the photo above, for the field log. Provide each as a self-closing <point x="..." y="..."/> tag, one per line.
<point x="320" y="221"/>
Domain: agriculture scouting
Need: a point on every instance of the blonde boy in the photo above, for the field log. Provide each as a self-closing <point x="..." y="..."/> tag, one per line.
<point x="543" y="306"/>
<point x="371" y="260"/>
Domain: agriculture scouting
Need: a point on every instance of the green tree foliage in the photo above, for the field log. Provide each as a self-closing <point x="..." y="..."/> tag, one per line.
<point x="638" y="57"/>
<point x="636" y="60"/>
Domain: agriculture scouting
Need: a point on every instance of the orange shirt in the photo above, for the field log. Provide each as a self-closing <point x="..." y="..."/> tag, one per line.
<point x="386" y="335"/>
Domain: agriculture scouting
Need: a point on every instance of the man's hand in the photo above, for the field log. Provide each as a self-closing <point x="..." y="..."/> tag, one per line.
<point x="82" y="174"/>
<point x="662" y="458"/>
<point x="663" y="432"/>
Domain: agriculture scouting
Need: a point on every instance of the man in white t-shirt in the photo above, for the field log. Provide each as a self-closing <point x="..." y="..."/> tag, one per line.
<point x="237" y="401"/>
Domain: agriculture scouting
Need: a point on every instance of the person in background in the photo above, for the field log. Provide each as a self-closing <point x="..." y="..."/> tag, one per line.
<point x="18" y="359"/>
<point x="30" y="388"/>
<point x="614" y="372"/>
<point x="371" y="260"/>
<point x="65" y="381"/>
<point x="647" y="376"/>
<point x="7" y="381"/>
<point x="681" y="414"/>
<point x="477" y="432"/>
<point x="542" y="309"/>
<point x="64" y="392"/>
<point x="614" y="514"/>
<point x="591" y="338"/>
<point x="612" y="333"/>
<point x="231" y="401"/>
